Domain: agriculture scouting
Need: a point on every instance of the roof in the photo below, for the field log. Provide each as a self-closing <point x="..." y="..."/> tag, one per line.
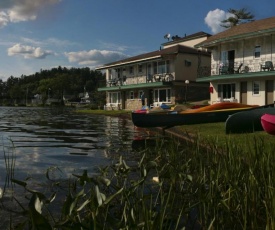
<point x="238" y="76"/>
<point x="250" y="29"/>
<point x="188" y="37"/>
<point x="154" y="55"/>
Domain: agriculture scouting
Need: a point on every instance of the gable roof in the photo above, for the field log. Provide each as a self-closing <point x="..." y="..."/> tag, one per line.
<point x="173" y="50"/>
<point x="188" y="37"/>
<point x="250" y="29"/>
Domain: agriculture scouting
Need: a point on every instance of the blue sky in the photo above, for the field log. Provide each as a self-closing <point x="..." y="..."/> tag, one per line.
<point x="43" y="34"/>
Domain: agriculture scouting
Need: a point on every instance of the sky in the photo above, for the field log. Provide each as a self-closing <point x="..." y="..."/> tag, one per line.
<point x="44" y="34"/>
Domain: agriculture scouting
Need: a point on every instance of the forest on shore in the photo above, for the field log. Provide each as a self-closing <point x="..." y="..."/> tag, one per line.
<point x="53" y="83"/>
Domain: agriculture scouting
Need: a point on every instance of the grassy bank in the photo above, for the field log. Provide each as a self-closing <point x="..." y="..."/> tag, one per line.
<point x="207" y="132"/>
<point x="215" y="132"/>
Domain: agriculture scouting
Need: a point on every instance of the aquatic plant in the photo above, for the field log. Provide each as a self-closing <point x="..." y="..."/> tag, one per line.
<point x="9" y="159"/>
<point x="174" y="185"/>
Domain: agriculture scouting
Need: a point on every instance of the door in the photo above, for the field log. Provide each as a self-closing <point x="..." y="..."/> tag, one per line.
<point x="269" y="92"/>
<point x="150" y="100"/>
<point x="243" y="92"/>
<point x="123" y="99"/>
<point x="149" y="76"/>
<point x="231" y="58"/>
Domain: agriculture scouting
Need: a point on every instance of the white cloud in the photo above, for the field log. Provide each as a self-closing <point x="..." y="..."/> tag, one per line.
<point x="21" y="10"/>
<point x="94" y="57"/>
<point x="112" y="46"/>
<point x="4" y="19"/>
<point x="60" y="43"/>
<point x="213" y="20"/>
<point x="47" y="42"/>
<point x="29" y="52"/>
<point x="31" y="41"/>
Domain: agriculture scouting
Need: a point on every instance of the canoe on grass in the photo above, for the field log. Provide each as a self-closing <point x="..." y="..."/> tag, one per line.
<point x="268" y="123"/>
<point x="247" y="121"/>
<point x="219" y="106"/>
<point x="206" y="114"/>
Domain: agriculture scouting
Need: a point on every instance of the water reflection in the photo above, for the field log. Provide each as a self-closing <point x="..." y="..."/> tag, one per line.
<point x="45" y="137"/>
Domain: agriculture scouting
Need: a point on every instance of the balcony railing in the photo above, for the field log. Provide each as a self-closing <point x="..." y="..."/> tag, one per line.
<point x="162" y="77"/>
<point x="219" y="68"/>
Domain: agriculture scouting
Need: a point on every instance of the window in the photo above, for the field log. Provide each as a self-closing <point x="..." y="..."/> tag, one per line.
<point x="112" y="73"/>
<point x="114" y="97"/>
<point x="155" y="67"/>
<point x="162" y="95"/>
<point x="167" y="66"/>
<point x="226" y="90"/>
<point x="149" y="71"/>
<point x="131" y="96"/>
<point x="131" y="70"/>
<point x="256" y="88"/>
<point x="118" y="73"/>
<point x="139" y="93"/>
<point x="257" y="52"/>
<point x="161" y="67"/>
<point x="109" y="74"/>
<point x="140" y="68"/>
<point x="224" y="57"/>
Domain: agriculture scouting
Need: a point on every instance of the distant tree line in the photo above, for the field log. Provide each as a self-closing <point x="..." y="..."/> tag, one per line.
<point x="54" y="83"/>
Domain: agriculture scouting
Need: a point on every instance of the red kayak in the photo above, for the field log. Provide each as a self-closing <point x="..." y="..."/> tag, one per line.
<point x="268" y="123"/>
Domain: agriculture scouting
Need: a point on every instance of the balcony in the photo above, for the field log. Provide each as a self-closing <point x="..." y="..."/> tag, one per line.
<point x="134" y="82"/>
<point x="233" y="70"/>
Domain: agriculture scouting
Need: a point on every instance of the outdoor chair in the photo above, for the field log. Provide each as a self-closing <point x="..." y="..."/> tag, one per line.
<point x="157" y="77"/>
<point x="239" y="68"/>
<point x="113" y="82"/>
<point x="267" y="66"/>
<point x="245" y="70"/>
<point x="168" y="77"/>
<point x="224" y="69"/>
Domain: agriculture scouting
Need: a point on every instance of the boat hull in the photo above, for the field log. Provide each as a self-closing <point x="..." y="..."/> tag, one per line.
<point x="268" y="123"/>
<point x="247" y="121"/>
<point x="170" y="119"/>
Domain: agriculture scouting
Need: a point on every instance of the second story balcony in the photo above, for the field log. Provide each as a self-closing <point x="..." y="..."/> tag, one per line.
<point x="140" y="79"/>
<point x="221" y="70"/>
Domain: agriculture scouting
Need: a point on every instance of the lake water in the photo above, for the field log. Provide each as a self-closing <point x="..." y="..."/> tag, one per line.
<point x="40" y="138"/>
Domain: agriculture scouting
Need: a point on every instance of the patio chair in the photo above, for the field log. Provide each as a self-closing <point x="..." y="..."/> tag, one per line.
<point x="239" y="68"/>
<point x="245" y="70"/>
<point x="157" y="77"/>
<point x="113" y="82"/>
<point x="267" y="66"/>
<point x="224" y="69"/>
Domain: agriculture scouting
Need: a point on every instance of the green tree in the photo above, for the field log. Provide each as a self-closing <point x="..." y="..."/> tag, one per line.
<point x="44" y="88"/>
<point x="16" y="93"/>
<point x="53" y="83"/>
<point x="238" y="17"/>
<point x="60" y="83"/>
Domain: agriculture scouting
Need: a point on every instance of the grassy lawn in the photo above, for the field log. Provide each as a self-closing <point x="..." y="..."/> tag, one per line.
<point x="208" y="132"/>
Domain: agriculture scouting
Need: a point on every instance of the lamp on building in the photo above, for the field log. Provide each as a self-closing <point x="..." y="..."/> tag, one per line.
<point x="186" y="87"/>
